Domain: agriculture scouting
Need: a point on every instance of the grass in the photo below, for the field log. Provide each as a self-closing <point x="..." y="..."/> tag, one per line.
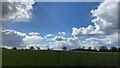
<point x="58" y="58"/>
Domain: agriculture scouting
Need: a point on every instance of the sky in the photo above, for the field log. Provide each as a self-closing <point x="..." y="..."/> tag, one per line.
<point x="59" y="24"/>
<point x="57" y="17"/>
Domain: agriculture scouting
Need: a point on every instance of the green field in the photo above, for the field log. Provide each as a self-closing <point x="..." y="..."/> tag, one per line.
<point x="58" y="58"/>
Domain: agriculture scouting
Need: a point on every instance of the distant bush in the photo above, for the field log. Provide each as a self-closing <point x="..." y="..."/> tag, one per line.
<point x="32" y="48"/>
<point x="114" y="49"/>
<point x="38" y="48"/>
<point x="14" y="48"/>
<point x="83" y="49"/>
<point x="3" y="48"/>
<point x="64" y="48"/>
<point x="103" y="48"/>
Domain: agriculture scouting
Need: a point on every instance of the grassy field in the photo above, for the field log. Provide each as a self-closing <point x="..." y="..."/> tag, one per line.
<point x="58" y="58"/>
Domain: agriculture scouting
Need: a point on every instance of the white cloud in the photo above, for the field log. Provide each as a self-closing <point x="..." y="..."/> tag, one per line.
<point x="15" y="0"/>
<point x="113" y="39"/>
<point x="31" y="40"/>
<point x="105" y="29"/>
<point x="62" y="33"/>
<point x="11" y="38"/>
<point x="93" y="42"/>
<point x="75" y="42"/>
<point x="34" y="33"/>
<point x="109" y="41"/>
<point x="59" y="38"/>
<point x="107" y="17"/>
<point x="49" y="35"/>
<point x="17" y="11"/>
<point x="59" y="42"/>
<point x="105" y="23"/>
<point x="89" y="31"/>
<point x="17" y="39"/>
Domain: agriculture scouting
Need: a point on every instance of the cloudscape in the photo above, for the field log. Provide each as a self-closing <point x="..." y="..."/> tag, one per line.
<point x="59" y="24"/>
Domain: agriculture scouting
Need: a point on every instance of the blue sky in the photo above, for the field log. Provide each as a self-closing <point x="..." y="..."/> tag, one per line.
<point x="58" y="24"/>
<point x="56" y="17"/>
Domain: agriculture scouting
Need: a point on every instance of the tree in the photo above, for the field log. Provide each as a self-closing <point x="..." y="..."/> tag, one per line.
<point x="38" y="48"/>
<point x="64" y="48"/>
<point x="103" y="48"/>
<point x="22" y="49"/>
<point x="89" y="48"/>
<point x="48" y="48"/>
<point x="83" y="47"/>
<point x="113" y="49"/>
<point x="32" y="48"/>
<point x="3" y="48"/>
<point x="119" y="49"/>
<point x="14" y="48"/>
<point x="95" y="49"/>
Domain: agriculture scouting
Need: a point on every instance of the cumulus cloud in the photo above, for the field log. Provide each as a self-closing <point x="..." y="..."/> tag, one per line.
<point x="89" y="31"/>
<point x="62" y="33"/>
<point x="31" y="40"/>
<point x="105" y="30"/>
<point x="113" y="39"/>
<point x="58" y="45"/>
<point x="93" y="42"/>
<point x="108" y="41"/>
<point x="17" y="10"/>
<point x="59" y="42"/>
<point x="105" y="23"/>
<point x="33" y="33"/>
<point x="49" y="35"/>
<point x="11" y="38"/>
<point x="107" y="17"/>
<point x="59" y="38"/>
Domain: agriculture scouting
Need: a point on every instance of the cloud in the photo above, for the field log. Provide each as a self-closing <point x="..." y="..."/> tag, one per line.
<point x="34" y="41"/>
<point x="113" y="39"/>
<point x="108" y="41"/>
<point x="107" y="17"/>
<point x="31" y="40"/>
<point x="34" y="33"/>
<point x="62" y="33"/>
<point x="89" y="31"/>
<point x="11" y="38"/>
<point x="105" y="30"/>
<point x="17" y="11"/>
<point x="93" y="42"/>
<point x="75" y="42"/>
<point x="59" y="38"/>
<point x="49" y="35"/>
<point x="105" y="22"/>
<point x="59" y="42"/>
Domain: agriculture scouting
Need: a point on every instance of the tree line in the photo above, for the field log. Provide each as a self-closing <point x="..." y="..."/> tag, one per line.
<point x="100" y="49"/>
